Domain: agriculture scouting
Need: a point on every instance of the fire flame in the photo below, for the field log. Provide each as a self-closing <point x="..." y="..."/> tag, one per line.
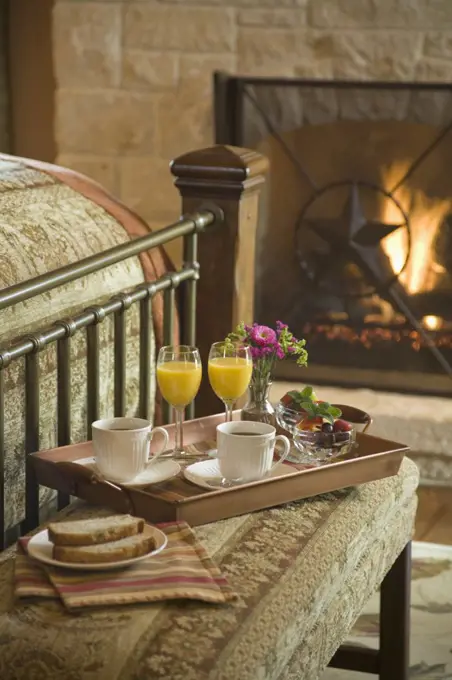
<point x="426" y="216"/>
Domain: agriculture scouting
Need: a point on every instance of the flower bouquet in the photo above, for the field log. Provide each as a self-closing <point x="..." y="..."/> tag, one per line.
<point x="268" y="346"/>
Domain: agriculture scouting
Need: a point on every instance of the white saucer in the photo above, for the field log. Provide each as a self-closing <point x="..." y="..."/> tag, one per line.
<point x="207" y="474"/>
<point x="41" y="549"/>
<point x="155" y="473"/>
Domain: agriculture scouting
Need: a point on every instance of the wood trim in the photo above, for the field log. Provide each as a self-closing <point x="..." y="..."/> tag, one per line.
<point x="395" y="601"/>
<point x="231" y="178"/>
<point x="354" y="658"/>
<point x="32" y="80"/>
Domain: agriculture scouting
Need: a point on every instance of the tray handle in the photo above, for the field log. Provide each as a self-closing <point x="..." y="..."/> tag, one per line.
<point x="356" y="416"/>
<point x="80" y="473"/>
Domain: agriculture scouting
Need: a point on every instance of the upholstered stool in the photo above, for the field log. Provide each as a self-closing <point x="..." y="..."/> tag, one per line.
<point x="303" y="573"/>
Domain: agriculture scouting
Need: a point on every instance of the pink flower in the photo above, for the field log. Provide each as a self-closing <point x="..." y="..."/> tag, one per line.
<point x="263" y="335"/>
<point x="256" y="353"/>
<point x="280" y="352"/>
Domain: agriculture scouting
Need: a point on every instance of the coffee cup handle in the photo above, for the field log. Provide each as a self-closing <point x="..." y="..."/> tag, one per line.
<point x="286" y="442"/>
<point x="152" y="458"/>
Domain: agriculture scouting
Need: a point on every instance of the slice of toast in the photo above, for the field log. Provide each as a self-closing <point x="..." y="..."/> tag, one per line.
<point x="115" y="551"/>
<point x="94" y="531"/>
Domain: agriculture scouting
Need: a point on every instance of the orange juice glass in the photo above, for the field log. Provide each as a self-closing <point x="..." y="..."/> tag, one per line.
<point x="179" y="373"/>
<point x="230" y="367"/>
<point x="229" y="376"/>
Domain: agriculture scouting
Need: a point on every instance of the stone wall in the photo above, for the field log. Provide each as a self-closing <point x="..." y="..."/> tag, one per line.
<point x="134" y="76"/>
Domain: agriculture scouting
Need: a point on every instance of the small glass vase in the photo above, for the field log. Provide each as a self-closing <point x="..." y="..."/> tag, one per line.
<point x="258" y="407"/>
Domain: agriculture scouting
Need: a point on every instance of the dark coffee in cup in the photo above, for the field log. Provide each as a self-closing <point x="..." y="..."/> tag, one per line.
<point x="246" y="434"/>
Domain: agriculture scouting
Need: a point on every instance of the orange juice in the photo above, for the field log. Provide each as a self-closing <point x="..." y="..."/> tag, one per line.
<point x="230" y="376"/>
<point x="179" y="381"/>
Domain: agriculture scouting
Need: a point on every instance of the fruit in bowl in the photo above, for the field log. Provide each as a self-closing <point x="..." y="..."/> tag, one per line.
<point x="319" y="433"/>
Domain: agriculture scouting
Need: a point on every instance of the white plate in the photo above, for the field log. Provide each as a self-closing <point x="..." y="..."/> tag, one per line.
<point x="207" y="474"/>
<point x="41" y="549"/>
<point x="155" y="473"/>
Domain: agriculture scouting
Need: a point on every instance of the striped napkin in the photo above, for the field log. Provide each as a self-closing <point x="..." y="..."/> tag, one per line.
<point x="183" y="570"/>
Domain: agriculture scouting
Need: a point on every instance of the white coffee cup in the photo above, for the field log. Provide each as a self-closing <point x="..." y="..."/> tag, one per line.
<point x="246" y="450"/>
<point x="122" y="447"/>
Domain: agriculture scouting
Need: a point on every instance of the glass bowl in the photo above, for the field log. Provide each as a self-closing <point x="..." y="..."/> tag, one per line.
<point x="313" y="448"/>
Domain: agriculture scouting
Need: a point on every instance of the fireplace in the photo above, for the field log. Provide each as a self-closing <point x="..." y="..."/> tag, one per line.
<point x="355" y="244"/>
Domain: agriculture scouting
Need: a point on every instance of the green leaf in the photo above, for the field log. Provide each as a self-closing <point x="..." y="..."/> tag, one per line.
<point x="307" y="392"/>
<point x="309" y="407"/>
<point x="335" y="412"/>
<point x="295" y="395"/>
<point x="325" y="404"/>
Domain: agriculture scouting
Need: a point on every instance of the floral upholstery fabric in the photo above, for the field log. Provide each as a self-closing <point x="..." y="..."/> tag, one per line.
<point x="45" y="224"/>
<point x="303" y="573"/>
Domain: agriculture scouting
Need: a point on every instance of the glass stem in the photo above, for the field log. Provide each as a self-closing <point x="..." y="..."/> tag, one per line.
<point x="229" y="405"/>
<point x="179" y="445"/>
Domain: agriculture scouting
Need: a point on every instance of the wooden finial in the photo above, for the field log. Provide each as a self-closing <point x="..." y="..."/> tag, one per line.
<point x="231" y="178"/>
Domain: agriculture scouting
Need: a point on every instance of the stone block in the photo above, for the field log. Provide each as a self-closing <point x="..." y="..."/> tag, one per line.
<point x="201" y="67"/>
<point x="430" y="106"/>
<point x="149" y="70"/>
<point x="102" y="170"/>
<point x="239" y="3"/>
<point x="266" y="51"/>
<point x="312" y="69"/>
<point x="389" y="55"/>
<point x="197" y="29"/>
<point x="320" y="106"/>
<point x="438" y="45"/>
<point x="434" y="70"/>
<point x="185" y="119"/>
<point x="105" y="122"/>
<point x="376" y="105"/>
<point x="280" y="18"/>
<point x="146" y="186"/>
<point x="283" y="107"/>
<point x="359" y="14"/>
<point x="87" y="44"/>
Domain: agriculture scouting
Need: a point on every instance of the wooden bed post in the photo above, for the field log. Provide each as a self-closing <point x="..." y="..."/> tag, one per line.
<point x="229" y="178"/>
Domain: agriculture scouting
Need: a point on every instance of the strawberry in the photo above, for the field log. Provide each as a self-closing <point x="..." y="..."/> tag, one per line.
<point x="287" y="400"/>
<point x="341" y="425"/>
<point x="292" y="400"/>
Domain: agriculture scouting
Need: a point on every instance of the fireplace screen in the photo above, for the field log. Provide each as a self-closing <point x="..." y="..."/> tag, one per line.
<point x="355" y="244"/>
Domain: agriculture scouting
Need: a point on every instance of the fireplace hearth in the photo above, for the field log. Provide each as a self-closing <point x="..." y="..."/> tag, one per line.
<point x="355" y="245"/>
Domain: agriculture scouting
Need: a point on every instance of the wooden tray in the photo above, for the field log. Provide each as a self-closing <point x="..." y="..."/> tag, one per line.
<point x="178" y="499"/>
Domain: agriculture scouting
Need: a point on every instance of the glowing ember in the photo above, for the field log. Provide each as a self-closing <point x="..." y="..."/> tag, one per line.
<point x="372" y="337"/>
<point x="426" y="216"/>
<point x="433" y="323"/>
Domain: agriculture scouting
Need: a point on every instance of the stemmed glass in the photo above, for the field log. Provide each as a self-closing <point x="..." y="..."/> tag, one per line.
<point x="230" y="367"/>
<point x="179" y="373"/>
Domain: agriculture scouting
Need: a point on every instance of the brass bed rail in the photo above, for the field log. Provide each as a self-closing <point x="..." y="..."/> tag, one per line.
<point x="218" y="187"/>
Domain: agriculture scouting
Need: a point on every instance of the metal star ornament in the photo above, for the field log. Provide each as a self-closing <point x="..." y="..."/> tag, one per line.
<point x="352" y="229"/>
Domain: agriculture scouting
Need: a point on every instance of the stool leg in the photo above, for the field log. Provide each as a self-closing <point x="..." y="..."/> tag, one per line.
<point x="395" y="619"/>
